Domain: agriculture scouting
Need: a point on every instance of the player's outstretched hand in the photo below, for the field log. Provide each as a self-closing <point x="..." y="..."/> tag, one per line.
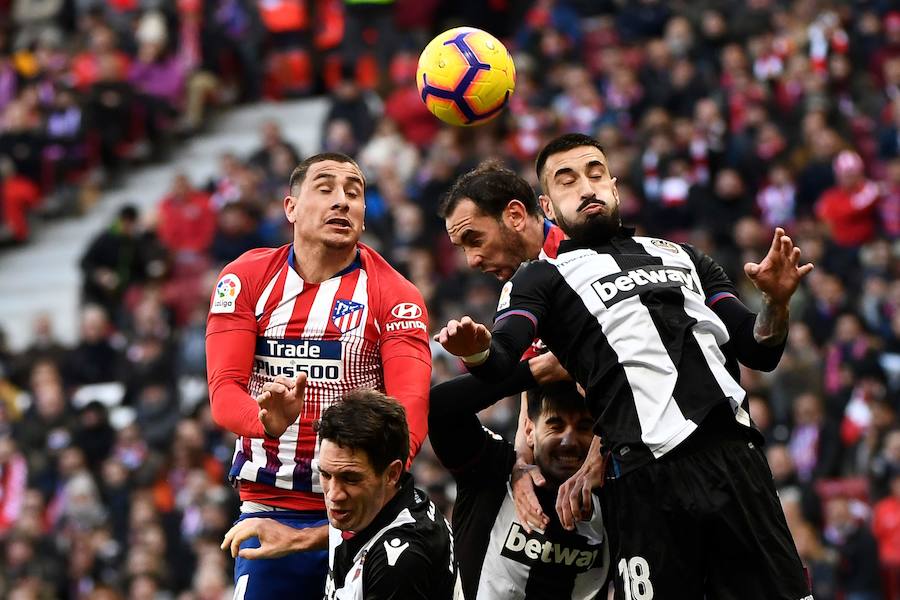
<point x="524" y="479"/>
<point x="464" y="337"/>
<point x="280" y="403"/>
<point x="779" y="273"/>
<point x="275" y="539"/>
<point x="573" y="502"/>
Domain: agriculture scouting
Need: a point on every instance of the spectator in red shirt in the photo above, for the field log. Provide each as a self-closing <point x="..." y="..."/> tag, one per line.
<point x="849" y="209"/>
<point x="886" y="527"/>
<point x="187" y="222"/>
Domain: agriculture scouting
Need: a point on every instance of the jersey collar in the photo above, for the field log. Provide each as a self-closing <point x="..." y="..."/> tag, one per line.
<point x="356" y="264"/>
<point x="567" y="244"/>
<point x="548" y="226"/>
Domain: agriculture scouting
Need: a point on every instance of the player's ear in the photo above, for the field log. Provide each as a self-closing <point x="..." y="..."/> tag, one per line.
<point x="393" y="472"/>
<point x="515" y="214"/>
<point x="529" y="432"/>
<point x="290" y="203"/>
<point x="615" y="190"/>
<point x="547" y="206"/>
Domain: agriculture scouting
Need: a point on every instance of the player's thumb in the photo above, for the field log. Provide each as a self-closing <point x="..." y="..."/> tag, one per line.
<point x="751" y="269"/>
<point x="536" y="477"/>
<point x="300" y="383"/>
<point x="251" y="553"/>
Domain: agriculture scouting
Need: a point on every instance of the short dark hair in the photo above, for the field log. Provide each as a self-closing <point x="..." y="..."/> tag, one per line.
<point x="368" y="420"/>
<point x="560" y="396"/>
<point x="563" y="143"/>
<point x="490" y="186"/>
<point x="129" y="212"/>
<point x="299" y="172"/>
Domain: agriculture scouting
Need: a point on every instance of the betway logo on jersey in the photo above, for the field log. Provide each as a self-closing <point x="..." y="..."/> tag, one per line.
<point x="529" y="549"/>
<point x="619" y="286"/>
<point x="319" y="359"/>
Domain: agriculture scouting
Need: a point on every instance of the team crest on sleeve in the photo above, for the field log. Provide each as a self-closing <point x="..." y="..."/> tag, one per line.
<point x="226" y="294"/>
<point x="505" y="294"/>
<point x="347" y="315"/>
<point x="665" y="245"/>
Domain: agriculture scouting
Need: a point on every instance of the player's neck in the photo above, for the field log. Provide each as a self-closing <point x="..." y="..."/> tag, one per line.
<point x="318" y="263"/>
<point x="534" y="238"/>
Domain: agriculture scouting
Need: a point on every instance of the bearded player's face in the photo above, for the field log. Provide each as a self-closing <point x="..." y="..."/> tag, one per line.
<point x="329" y="206"/>
<point x="580" y="194"/>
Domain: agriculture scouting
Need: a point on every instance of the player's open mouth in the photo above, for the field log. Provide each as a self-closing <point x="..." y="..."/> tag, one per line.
<point x="569" y="460"/>
<point x="339" y="515"/>
<point x="339" y="222"/>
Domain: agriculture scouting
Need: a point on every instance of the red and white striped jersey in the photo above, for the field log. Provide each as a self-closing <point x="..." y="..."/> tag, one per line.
<point x="366" y="327"/>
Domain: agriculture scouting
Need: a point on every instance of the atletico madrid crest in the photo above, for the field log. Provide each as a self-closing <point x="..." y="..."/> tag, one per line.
<point x="347" y="315"/>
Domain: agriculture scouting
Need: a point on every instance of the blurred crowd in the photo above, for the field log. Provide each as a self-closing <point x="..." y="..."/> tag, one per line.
<point x="720" y="120"/>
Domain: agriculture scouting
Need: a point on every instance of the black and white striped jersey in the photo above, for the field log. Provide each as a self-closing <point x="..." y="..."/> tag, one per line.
<point x="632" y="322"/>
<point x="406" y="553"/>
<point x="498" y="560"/>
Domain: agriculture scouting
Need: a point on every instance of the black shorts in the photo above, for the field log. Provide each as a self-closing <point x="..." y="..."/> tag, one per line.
<point x="703" y="522"/>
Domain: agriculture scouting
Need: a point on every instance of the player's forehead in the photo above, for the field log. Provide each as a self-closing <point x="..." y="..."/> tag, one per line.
<point x="336" y="459"/>
<point x="335" y="170"/>
<point x="577" y="159"/>
<point x="466" y="217"/>
<point x="553" y="413"/>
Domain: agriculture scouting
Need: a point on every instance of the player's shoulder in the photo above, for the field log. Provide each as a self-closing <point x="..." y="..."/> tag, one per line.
<point x="428" y="529"/>
<point x="257" y="260"/>
<point x="535" y="270"/>
<point x="664" y="245"/>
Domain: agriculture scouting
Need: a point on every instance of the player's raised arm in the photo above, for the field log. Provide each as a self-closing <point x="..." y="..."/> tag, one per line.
<point x="456" y="433"/>
<point x="524" y="301"/>
<point x="777" y="276"/>
<point x="406" y="355"/>
<point x="230" y="341"/>
<point x="756" y="339"/>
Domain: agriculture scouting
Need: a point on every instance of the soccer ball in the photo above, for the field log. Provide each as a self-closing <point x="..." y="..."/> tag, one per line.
<point x="465" y="76"/>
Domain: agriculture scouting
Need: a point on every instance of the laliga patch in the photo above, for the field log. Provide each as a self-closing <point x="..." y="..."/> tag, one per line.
<point x="225" y="296"/>
<point x="505" y="295"/>
<point x="665" y="245"/>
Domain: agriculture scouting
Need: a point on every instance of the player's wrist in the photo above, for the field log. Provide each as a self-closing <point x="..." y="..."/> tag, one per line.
<point x="473" y="360"/>
<point x="267" y="434"/>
